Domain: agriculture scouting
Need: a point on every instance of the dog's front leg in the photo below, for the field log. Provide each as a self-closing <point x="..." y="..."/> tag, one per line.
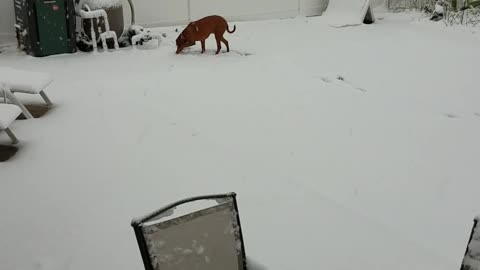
<point x="203" y="45"/>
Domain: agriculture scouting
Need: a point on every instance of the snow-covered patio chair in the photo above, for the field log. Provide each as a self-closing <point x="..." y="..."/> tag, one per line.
<point x="8" y="114"/>
<point x="28" y="82"/>
<point x="203" y="232"/>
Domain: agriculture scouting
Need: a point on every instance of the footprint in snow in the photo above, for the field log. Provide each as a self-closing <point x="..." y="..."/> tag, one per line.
<point x="331" y="78"/>
<point x="451" y="115"/>
<point x="242" y="53"/>
<point x="477" y="114"/>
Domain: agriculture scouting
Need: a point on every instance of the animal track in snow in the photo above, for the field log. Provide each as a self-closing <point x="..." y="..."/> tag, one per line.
<point x="337" y="78"/>
<point x="451" y="115"/>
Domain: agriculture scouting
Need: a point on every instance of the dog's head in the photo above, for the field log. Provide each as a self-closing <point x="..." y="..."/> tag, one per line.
<point x="184" y="39"/>
<point x="182" y="42"/>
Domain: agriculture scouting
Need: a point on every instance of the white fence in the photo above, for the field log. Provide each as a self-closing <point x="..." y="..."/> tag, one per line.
<point x="152" y="13"/>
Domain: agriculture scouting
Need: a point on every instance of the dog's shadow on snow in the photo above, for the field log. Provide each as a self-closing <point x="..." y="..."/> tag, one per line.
<point x="210" y="53"/>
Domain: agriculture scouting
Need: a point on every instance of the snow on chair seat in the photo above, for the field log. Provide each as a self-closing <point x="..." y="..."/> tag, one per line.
<point x="27" y="82"/>
<point x="8" y="114"/>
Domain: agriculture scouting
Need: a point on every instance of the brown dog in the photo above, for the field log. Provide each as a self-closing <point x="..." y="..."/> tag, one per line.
<point x="201" y="30"/>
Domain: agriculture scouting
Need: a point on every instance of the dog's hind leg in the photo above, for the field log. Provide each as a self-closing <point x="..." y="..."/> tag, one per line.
<point x="219" y="46"/>
<point x="226" y="43"/>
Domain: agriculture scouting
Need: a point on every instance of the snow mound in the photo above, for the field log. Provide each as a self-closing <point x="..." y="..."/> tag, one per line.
<point x="342" y="13"/>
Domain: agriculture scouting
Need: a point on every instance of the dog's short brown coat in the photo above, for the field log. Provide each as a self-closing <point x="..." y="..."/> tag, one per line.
<point x="200" y="30"/>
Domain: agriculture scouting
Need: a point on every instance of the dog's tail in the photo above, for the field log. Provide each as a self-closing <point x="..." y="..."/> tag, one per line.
<point x="234" y="28"/>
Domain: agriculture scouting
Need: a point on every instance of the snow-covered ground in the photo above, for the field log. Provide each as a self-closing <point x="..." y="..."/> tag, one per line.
<point x="350" y="148"/>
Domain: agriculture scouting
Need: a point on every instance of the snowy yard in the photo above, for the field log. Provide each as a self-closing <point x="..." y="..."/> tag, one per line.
<point x="376" y="170"/>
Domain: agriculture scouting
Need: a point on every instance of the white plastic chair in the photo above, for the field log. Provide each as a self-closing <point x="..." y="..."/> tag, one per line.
<point x="28" y="82"/>
<point x="8" y="114"/>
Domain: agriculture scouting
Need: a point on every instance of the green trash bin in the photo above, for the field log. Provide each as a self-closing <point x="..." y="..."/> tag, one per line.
<point x="45" y="27"/>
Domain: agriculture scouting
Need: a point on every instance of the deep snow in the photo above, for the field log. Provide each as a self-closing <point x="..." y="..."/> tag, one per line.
<point x="327" y="176"/>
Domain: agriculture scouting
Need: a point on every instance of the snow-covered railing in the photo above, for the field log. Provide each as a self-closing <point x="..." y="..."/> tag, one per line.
<point x="89" y="14"/>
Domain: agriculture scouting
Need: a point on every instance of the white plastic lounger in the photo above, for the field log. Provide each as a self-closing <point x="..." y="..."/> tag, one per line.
<point x="28" y="82"/>
<point x="8" y="114"/>
<point x="7" y="95"/>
